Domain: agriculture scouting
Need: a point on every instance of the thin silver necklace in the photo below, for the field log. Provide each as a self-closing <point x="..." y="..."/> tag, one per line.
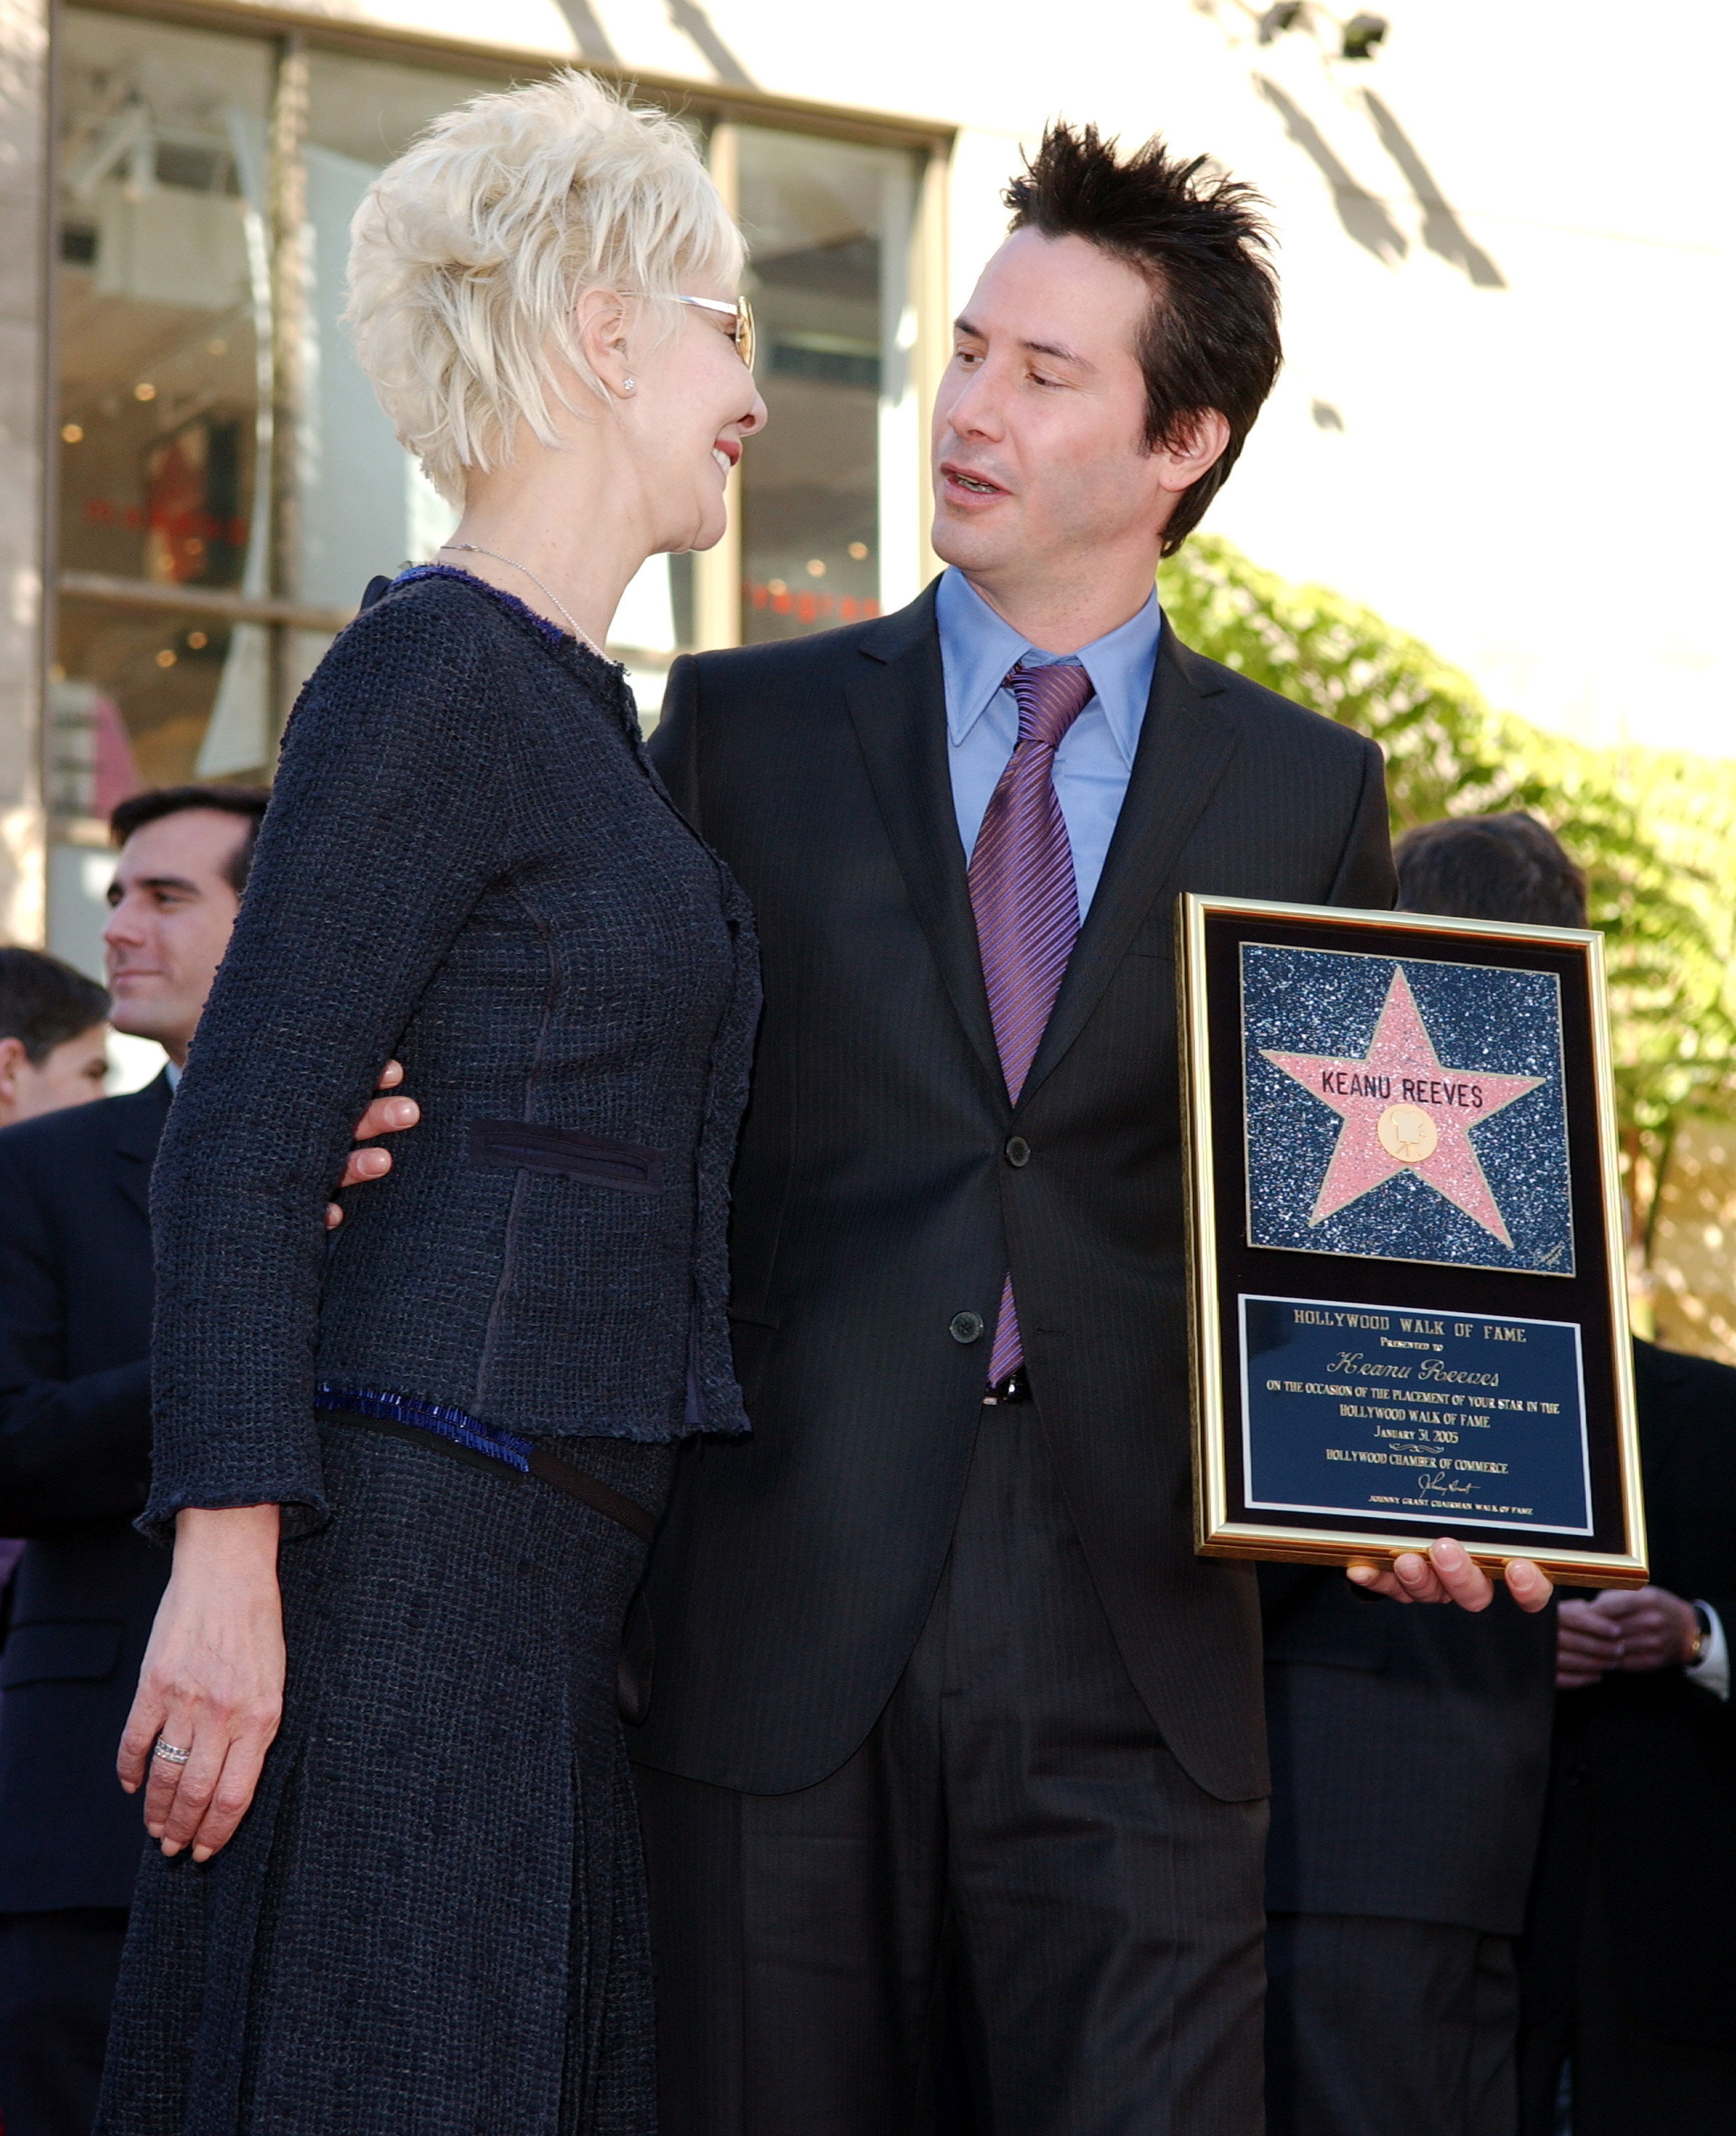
<point x="476" y="549"/>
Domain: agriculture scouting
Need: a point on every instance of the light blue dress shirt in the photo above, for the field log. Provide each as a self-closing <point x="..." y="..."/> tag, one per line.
<point x="978" y="648"/>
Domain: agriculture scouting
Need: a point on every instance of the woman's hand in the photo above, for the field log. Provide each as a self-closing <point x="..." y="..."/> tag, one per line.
<point x="383" y="1116"/>
<point x="212" y="1683"/>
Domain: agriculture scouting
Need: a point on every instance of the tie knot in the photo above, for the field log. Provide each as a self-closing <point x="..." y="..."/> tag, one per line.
<point x="1049" y="698"/>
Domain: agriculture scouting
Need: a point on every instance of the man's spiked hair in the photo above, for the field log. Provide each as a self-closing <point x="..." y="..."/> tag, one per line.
<point x="1200" y="239"/>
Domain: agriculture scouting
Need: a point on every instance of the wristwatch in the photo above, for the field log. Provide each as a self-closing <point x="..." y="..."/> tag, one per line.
<point x="1702" y="1637"/>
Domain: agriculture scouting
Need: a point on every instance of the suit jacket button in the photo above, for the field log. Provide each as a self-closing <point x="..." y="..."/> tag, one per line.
<point x="965" y="1326"/>
<point x="1018" y="1150"/>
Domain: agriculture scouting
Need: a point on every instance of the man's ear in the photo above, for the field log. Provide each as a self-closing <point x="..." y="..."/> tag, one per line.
<point x="1194" y="447"/>
<point x="12" y="1059"/>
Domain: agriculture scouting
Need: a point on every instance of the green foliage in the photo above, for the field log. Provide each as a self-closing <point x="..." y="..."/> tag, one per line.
<point x="1654" y="833"/>
<point x="1447" y="752"/>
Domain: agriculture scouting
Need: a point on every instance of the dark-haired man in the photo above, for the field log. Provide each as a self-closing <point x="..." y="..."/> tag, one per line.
<point x="185" y="854"/>
<point x="52" y="1032"/>
<point x="1509" y="867"/>
<point x="948" y="1728"/>
<point x="75" y="1296"/>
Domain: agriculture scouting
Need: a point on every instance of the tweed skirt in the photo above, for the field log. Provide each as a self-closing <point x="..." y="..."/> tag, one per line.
<point x="431" y="1921"/>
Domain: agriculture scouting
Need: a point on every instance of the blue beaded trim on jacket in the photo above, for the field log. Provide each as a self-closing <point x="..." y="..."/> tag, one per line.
<point x="440" y="1418"/>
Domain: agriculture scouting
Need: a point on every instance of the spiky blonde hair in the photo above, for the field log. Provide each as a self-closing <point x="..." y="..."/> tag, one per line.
<point x="469" y="254"/>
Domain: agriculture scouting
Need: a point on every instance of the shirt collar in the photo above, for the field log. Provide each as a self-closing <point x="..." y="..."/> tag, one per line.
<point x="979" y="647"/>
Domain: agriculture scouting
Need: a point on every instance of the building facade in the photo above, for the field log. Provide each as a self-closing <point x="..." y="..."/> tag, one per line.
<point x="1501" y="326"/>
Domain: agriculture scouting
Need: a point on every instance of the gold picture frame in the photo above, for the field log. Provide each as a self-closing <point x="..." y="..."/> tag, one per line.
<point x="1498" y="1287"/>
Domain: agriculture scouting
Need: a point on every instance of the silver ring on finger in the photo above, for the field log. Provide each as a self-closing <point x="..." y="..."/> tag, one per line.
<point x="168" y="1754"/>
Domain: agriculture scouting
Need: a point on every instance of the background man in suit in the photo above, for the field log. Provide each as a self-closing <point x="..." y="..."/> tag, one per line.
<point x="1410" y="1750"/>
<point x="1628" y="1968"/>
<point x="936" y="1669"/>
<point x="53" y="1053"/>
<point x="53" y="1026"/>
<point x="75" y="1296"/>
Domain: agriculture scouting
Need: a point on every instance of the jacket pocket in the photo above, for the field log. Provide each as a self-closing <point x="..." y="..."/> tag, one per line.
<point x="520" y="1145"/>
<point x="59" y="1653"/>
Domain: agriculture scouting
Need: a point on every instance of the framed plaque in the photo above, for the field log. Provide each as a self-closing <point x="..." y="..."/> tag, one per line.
<point x="1408" y="1278"/>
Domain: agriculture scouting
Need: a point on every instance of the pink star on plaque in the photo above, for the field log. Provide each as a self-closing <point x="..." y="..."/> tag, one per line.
<point x="1404" y="1112"/>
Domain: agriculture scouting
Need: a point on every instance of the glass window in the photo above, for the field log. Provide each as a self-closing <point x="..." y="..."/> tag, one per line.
<point x="363" y="505"/>
<point x="829" y="492"/>
<point x="164" y="308"/>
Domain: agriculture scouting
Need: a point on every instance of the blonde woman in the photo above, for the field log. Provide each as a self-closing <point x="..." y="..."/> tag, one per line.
<point x="411" y="1479"/>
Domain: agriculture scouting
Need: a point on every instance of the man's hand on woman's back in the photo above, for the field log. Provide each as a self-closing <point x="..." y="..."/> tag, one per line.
<point x="385" y="1115"/>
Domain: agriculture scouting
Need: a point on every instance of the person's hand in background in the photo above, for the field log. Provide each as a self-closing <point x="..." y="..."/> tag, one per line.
<point x="1640" y="1629"/>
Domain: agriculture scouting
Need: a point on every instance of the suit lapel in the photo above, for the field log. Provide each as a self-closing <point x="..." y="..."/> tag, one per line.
<point x="1184" y="748"/>
<point x="138" y="1119"/>
<point x="897" y="701"/>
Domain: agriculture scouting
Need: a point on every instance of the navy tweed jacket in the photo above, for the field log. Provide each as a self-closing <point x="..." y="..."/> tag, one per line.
<point x="468" y="863"/>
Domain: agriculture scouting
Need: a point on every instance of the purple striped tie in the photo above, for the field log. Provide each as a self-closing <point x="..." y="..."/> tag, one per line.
<point x="1026" y="901"/>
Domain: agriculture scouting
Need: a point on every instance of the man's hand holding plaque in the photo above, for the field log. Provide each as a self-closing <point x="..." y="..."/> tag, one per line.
<point x="1447" y="1572"/>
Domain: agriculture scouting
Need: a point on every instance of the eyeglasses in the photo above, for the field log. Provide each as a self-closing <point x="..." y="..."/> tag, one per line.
<point x="738" y="309"/>
<point x="741" y="311"/>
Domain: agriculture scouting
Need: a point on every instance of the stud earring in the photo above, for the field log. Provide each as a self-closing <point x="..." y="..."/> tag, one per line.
<point x="629" y="386"/>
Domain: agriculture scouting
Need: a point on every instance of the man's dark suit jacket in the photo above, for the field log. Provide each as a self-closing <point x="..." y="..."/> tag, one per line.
<point x="75" y="1461"/>
<point x="882" y="1191"/>
<point x="1410" y="1753"/>
<point x="1657" y="1753"/>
